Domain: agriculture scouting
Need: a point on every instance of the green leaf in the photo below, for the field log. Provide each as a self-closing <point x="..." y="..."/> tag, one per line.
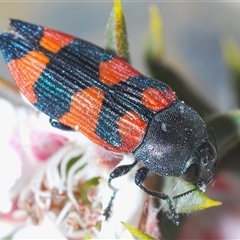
<point x="116" y="35"/>
<point x="161" y="70"/>
<point x="191" y="202"/>
<point x="136" y="233"/>
<point x="86" y="186"/>
<point x="72" y="162"/>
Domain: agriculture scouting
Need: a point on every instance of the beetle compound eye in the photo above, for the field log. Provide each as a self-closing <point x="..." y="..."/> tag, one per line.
<point x="201" y="165"/>
<point x="208" y="155"/>
<point x="206" y="158"/>
<point x="191" y="174"/>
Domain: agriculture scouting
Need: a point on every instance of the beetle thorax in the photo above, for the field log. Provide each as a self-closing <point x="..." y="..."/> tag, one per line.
<point x="172" y="137"/>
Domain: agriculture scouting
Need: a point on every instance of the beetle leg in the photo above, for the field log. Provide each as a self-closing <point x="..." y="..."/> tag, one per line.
<point x="120" y="171"/>
<point x="107" y="210"/>
<point x="140" y="177"/>
<point x="117" y="172"/>
<point x="59" y="125"/>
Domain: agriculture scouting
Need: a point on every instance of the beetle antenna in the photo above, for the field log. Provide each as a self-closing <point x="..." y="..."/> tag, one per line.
<point x="185" y="193"/>
<point x="215" y="140"/>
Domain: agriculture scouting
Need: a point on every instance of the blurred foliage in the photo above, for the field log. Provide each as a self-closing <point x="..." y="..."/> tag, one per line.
<point x="231" y="54"/>
<point x="227" y="130"/>
<point x="160" y="69"/>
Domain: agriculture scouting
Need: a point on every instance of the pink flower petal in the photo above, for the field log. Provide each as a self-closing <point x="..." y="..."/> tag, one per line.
<point x="45" y="144"/>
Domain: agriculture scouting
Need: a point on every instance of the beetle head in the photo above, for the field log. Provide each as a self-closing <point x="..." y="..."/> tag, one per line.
<point x="200" y="167"/>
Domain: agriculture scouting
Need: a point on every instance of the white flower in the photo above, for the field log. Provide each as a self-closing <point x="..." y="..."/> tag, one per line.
<point x="63" y="177"/>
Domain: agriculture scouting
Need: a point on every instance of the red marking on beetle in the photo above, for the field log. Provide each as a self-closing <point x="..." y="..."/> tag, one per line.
<point x="26" y="72"/>
<point x="114" y="71"/>
<point x="83" y="117"/>
<point x="53" y="40"/>
<point x="84" y="110"/>
<point x="157" y="100"/>
<point x="83" y="114"/>
<point x="132" y="129"/>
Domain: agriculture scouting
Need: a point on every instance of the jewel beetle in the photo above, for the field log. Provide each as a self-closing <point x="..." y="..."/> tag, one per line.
<point x="82" y="87"/>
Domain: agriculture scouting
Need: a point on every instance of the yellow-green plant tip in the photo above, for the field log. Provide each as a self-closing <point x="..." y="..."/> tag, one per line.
<point x="136" y="233"/>
<point x="156" y="42"/>
<point x="119" y="25"/>
<point x="231" y="53"/>
<point x="87" y="237"/>
<point x="116" y="37"/>
<point x="195" y="201"/>
<point x="209" y="202"/>
<point x="200" y="203"/>
<point x="118" y="10"/>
